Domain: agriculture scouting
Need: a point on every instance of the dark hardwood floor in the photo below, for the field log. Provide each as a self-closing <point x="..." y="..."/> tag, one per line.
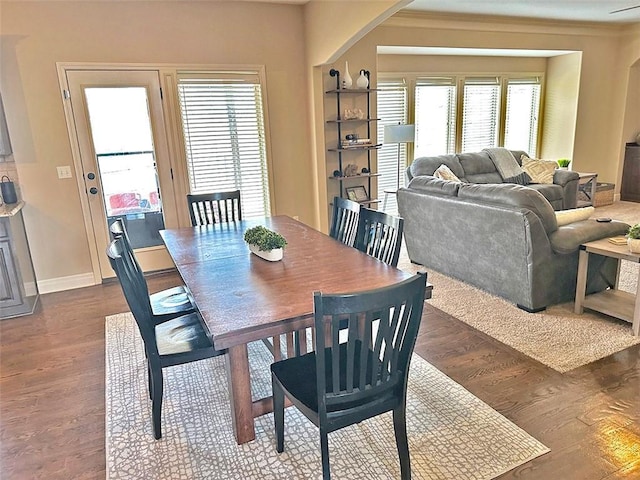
<point x="52" y="392"/>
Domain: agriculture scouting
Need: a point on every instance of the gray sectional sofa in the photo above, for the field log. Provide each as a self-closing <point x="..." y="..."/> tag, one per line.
<point x="477" y="167"/>
<point x="502" y="238"/>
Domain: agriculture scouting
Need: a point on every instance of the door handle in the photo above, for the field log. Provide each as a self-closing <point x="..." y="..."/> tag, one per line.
<point x="93" y="190"/>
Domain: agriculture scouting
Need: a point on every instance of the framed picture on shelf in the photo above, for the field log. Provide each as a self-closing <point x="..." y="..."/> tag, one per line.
<point x="357" y="194"/>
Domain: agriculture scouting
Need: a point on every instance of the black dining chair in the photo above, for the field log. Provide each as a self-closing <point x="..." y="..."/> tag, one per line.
<point x="344" y="220"/>
<point x="165" y="304"/>
<point x="214" y="207"/>
<point x="380" y="235"/>
<point x="174" y="342"/>
<point x="340" y="384"/>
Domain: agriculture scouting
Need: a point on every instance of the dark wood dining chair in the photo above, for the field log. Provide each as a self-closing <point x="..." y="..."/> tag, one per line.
<point x="174" y="342"/>
<point x="214" y="207"/>
<point x="165" y="304"/>
<point x="340" y="384"/>
<point x="344" y="220"/>
<point x="380" y="235"/>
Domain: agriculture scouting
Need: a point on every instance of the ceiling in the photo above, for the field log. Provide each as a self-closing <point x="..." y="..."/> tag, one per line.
<point x="567" y="10"/>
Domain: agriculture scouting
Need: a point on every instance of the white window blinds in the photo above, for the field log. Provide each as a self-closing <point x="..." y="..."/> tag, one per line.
<point x="522" y="113"/>
<point x="223" y="126"/>
<point x="392" y="109"/>
<point x="480" y="114"/>
<point x="435" y="116"/>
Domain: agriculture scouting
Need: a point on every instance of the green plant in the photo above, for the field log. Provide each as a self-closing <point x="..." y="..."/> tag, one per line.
<point x="563" y="162"/>
<point x="634" y="231"/>
<point x="264" y="239"/>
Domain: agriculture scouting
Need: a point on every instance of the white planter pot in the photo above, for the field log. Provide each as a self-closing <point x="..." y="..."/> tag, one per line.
<point x="634" y="245"/>
<point x="270" y="255"/>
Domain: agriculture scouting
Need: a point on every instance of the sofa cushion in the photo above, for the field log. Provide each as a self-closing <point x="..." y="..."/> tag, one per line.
<point x="428" y="165"/>
<point x="429" y="184"/>
<point x="513" y="195"/>
<point x="444" y="173"/>
<point x="540" y="171"/>
<point x="478" y="168"/>
<point x="568" y="238"/>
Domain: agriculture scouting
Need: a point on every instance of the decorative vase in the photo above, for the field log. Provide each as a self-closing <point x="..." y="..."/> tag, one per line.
<point x="634" y="245"/>
<point x="362" y="81"/>
<point x="270" y="255"/>
<point x="347" y="81"/>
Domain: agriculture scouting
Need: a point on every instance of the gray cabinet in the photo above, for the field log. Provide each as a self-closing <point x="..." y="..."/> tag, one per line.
<point x="18" y="286"/>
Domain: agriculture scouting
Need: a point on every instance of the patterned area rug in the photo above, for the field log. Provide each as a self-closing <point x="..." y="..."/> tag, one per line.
<point x="452" y="434"/>
<point x="556" y="337"/>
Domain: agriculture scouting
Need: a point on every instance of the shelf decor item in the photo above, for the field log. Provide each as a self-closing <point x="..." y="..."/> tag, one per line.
<point x="357" y="194"/>
<point x="633" y="238"/>
<point x="362" y="81"/>
<point x="265" y="243"/>
<point x="347" y="81"/>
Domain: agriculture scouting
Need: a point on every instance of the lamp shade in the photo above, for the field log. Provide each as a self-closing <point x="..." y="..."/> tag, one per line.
<point x="399" y="133"/>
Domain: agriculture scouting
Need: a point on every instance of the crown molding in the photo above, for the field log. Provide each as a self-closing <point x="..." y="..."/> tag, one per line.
<point x="484" y="23"/>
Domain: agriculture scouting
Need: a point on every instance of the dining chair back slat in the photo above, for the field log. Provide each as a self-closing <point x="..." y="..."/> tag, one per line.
<point x="344" y="220"/>
<point x="380" y="235"/>
<point x="214" y="207"/>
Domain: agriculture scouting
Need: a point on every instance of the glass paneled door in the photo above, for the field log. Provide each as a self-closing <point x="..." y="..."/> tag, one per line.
<point x="118" y="120"/>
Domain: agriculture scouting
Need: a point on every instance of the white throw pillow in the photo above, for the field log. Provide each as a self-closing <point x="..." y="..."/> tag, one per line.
<point x="443" y="172"/>
<point x="565" y="217"/>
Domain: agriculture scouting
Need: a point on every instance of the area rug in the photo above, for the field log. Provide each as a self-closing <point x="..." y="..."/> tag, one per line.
<point x="452" y="434"/>
<point x="556" y="337"/>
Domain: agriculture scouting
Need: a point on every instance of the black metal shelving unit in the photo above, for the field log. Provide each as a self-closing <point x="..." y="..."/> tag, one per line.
<point x="340" y="123"/>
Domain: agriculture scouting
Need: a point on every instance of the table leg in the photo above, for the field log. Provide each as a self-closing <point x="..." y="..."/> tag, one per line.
<point x="237" y="364"/>
<point x="581" y="284"/>
<point x="635" y="326"/>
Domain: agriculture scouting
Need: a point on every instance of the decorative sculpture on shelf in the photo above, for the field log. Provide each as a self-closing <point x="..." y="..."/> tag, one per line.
<point x="350" y="170"/>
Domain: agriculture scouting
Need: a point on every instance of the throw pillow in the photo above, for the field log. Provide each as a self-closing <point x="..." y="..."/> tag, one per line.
<point x="444" y="173"/>
<point x="540" y="171"/>
<point x="565" y="217"/>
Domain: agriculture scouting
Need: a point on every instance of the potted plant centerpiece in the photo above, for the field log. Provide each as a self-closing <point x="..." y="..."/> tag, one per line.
<point x="633" y="238"/>
<point x="265" y="243"/>
<point x="563" y="163"/>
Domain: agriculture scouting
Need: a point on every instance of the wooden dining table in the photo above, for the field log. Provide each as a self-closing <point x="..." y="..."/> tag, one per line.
<point x="243" y="298"/>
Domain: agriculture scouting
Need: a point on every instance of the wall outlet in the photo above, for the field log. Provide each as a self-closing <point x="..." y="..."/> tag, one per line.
<point x="64" y="172"/>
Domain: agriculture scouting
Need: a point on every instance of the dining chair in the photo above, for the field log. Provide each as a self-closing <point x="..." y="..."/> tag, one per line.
<point x="214" y="207"/>
<point x="165" y="304"/>
<point x="344" y="220"/>
<point x="380" y="235"/>
<point x="174" y="342"/>
<point x="340" y="384"/>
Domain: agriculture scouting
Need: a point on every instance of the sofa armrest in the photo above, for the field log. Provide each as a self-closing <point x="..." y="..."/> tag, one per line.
<point x="568" y="238"/>
<point x="562" y="177"/>
<point x="568" y="180"/>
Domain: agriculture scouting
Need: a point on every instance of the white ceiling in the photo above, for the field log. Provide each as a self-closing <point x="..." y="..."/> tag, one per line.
<point x="572" y="10"/>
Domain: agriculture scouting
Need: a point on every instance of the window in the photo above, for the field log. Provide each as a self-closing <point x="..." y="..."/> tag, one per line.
<point x="224" y="133"/>
<point x="392" y="109"/>
<point x="480" y="113"/>
<point x="435" y="116"/>
<point x="523" y="106"/>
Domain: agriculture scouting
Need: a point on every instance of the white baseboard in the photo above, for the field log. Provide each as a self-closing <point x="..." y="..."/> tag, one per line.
<point x="66" y="283"/>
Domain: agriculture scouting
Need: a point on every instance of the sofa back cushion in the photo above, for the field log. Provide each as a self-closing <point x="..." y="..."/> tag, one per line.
<point x="428" y="165"/>
<point x="478" y="168"/>
<point x="513" y="195"/>
<point x="428" y="184"/>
